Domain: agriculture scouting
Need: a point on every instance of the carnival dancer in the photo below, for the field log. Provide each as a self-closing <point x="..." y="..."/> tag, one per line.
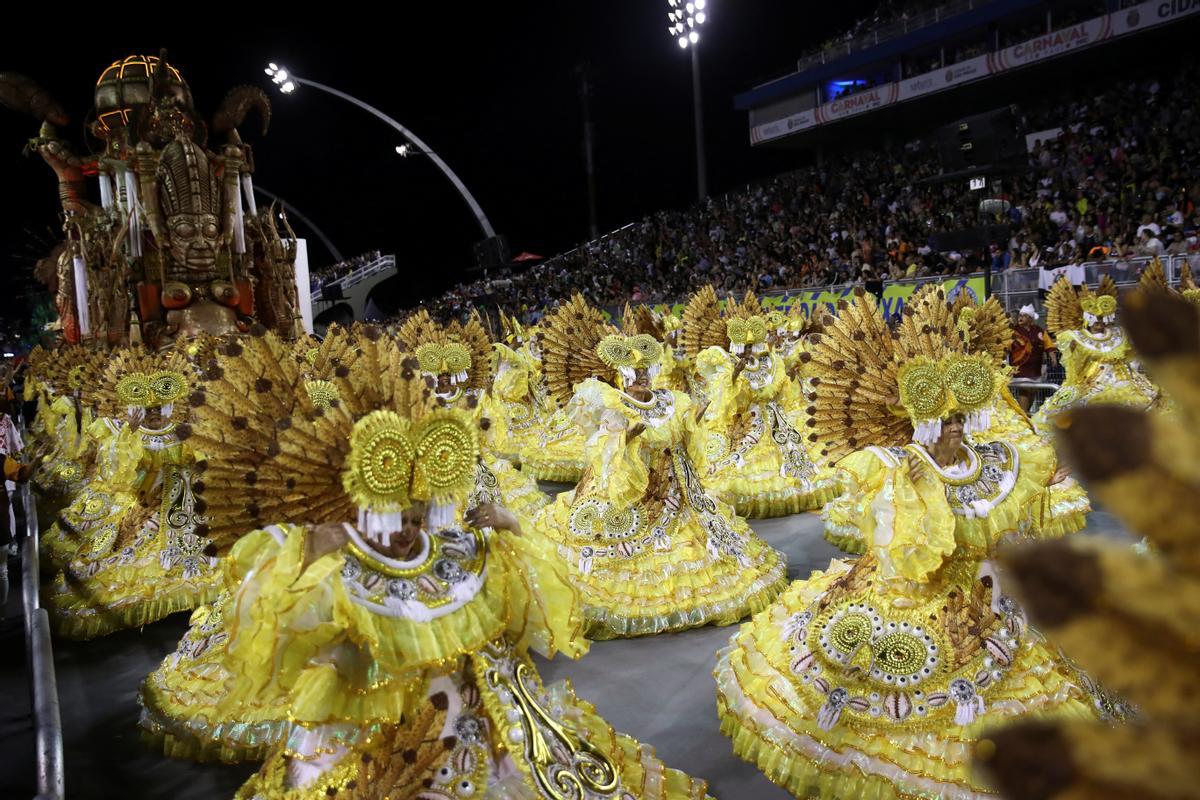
<point x="649" y="547"/>
<point x="1095" y="353"/>
<point x="982" y="329"/>
<point x="456" y="362"/>
<point x="369" y="650"/>
<point x="875" y="679"/>
<point x="62" y="383"/>
<point x="140" y="556"/>
<point x="755" y="459"/>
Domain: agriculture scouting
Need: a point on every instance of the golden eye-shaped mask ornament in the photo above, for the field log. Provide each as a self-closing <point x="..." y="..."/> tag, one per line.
<point x="776" y="320"/>
<point x="134" y="390"/>
<point x="321" y="393"/>
<point x="972" y="382"/>
<point x="737" y="331"/>
<point x="430" y="357"/>
<point x="756" y="329"/>
<point x="1101" y="306"/>
<point x="616" y="351"/>
<point x="457" y="359"/>
<point x="446" y="454"/>
<point x="648" y="347"/>
<point x="75" y="377"/>
<point x="168" y="386"/>
<point x="923" y="389"/>
<point x="379" y="468"/>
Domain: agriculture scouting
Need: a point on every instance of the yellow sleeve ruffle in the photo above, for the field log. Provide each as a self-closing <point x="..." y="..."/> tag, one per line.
<point x="546" y="612"/>
<point x="914" y="526"/>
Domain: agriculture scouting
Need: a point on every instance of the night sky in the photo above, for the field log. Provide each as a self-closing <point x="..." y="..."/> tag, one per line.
<point x="490" y="87"/>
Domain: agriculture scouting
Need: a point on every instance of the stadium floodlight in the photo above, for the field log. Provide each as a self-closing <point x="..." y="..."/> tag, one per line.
<point x="288" y="83"/>
<point x="686" y="16"/>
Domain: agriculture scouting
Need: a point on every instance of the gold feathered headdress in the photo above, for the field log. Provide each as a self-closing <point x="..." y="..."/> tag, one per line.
<point x="703" y="323"/>
<point x="571" y="336"/>
<point x="137" y="378"/>
<point x="461" y="351"/>
<point x="269" y="452"/>
<point x="1069" y="310"/>
<point x="67" y="370"/>
<point x="862" y="376"/>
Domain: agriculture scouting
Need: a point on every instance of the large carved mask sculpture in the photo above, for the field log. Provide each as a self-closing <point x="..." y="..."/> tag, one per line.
<point x="190" y="193"/>
<point x="195" y="295"/>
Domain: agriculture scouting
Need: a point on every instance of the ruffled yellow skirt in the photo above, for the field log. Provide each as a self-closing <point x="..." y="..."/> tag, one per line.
<point x="774" y="724"/>
<point x="142" y="565"/>
<point x="646" y="570"/>
<point x="94" y="515"/>
<point x="498" y="481"/>
<point x="487" y="730"/>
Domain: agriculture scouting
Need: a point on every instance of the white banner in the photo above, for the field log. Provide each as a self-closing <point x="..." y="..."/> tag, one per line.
<point x="303" y="290"/>
<point x="782" y="127"/>
<point x="1049" y="45"/>
<point x="1075" y="272"/>
<point x="1048" y="135"/>
<point x="938" y="79"/>
<point x="858" y="103"/>
<point x="1155" y="12"/>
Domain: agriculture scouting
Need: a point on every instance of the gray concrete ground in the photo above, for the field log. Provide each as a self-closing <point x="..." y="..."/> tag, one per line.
<point x="659" y="690"/>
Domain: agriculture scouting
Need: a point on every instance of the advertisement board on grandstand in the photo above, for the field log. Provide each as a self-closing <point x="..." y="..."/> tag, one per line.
<point x="858" y="103"/>
<point x="1147" y="15"/>
<point x="939" y="79"/>
<point x="782" y="127"/>
<point x="1050" y="45"/>
<point x="1056" y="43"/>
<point x="895" y="295"/>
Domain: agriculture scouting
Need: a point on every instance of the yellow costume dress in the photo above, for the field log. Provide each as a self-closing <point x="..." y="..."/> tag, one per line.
<point x="755" y="459"/>
<point x="62" y="381"/>
<point x="548" y="446"/>
<point x="1100" y="367"/>
<point x="362" y="675"/>
<point x="1066" y="504"/>
<point x="648" y="547"/>
<point x="875" y="679"/>
<point x="142" y="554"/>
<point x="458" y="358"/>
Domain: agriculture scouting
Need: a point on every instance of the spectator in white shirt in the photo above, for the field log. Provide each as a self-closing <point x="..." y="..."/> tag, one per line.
<point x="1148" y="225"/>
<point x="1148" y="243"/>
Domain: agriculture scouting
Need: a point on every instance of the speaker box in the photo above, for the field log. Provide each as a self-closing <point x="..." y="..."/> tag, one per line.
<point x="971" y="238"/>
<point x="984" y="140"/>
<point x="491" y="253"/>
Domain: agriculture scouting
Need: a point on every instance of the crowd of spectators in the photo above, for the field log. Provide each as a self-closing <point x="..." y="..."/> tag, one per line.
<point x="1121" y="180"/>
<point x="884" y="15"/>
<point x="317" y="278"/>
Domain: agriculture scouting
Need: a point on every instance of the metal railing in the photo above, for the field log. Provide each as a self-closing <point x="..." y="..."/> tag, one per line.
<point x="884" y="32"/>
<point x="359" y="274"/>
<point x="42" y="681"/>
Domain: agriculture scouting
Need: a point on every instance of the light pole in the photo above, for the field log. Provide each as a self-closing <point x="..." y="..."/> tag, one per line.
<point x="291" y="209"/>
<point x="686" y="19"/>
<point x="288" y="82"/>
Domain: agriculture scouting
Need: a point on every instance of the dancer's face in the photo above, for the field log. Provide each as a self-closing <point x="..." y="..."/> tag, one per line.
<point x="952" y="431"/>
<point x="641" y="379"/>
